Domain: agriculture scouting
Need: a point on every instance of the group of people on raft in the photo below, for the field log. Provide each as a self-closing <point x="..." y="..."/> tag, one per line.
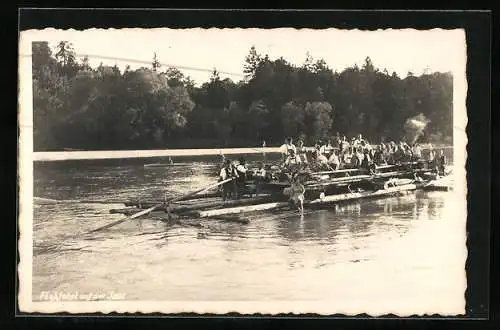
<point x="334" y="154"/>
<point x="358" y="153"/>
<point x="240" y="173"/>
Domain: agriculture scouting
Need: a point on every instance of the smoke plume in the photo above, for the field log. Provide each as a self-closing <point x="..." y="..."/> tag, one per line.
<point x="414" y="128"/>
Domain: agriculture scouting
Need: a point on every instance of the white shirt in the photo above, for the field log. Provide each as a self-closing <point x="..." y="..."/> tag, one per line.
<point x="223" y="174"/>
<point x="241" y="168"/>
<point x="322" y="149"/>
<point x="285" y="148"/>
<point x="327" y="149"/>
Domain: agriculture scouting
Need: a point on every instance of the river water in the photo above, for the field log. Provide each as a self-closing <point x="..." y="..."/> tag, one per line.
<point x="394" y="249"/>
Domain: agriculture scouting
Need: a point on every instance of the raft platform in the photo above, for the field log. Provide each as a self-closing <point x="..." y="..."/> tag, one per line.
<point x="272" y="196"/>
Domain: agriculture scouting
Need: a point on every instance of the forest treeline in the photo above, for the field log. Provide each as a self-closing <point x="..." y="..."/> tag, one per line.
<point x="80" y="107"/>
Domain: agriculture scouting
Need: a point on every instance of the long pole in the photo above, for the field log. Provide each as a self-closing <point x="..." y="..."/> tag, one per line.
<point x="151" y="209"/>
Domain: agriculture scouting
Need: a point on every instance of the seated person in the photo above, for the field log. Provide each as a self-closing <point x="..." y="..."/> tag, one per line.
<point x="334" y="160"/>
<point x="322" y="161"/>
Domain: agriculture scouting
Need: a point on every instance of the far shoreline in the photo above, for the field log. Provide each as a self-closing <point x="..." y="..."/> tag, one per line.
<point x="159" y="153"/>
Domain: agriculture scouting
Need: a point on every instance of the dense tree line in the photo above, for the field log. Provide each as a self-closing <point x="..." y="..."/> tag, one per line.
<point x="77" y="106"/>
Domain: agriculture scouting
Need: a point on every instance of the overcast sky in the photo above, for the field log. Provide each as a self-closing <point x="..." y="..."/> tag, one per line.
<point x="225" y="49"/>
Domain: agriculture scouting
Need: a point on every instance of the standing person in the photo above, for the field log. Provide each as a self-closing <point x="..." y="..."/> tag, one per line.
<point x="297" y="191"/>
<point x="431" y="157"/>
<point x="263" y="151"/>
<point x="355" y="161"/>
<point x="260" y="177"/>
<point x="301" y="151"/>
<point x="371" y="153"/>
<point x="285" y="148"/>
<point x="290" y="146"/>
<point x="441" y="163"/>
<point x="390" y="154"/>
<point x="227" y="172"/>
<point x="241" y="170"/>
<point x="353" y="144"/>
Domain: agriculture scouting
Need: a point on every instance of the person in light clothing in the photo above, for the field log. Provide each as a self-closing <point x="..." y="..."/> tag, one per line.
<point x="326" y="149"/>
<point x="260" y="177"/>
<point x="241" y="170"/>
<point x="292" y="160"/>
<point x="301" y="151"/>
<point x="441" y="162"/>
<point x="417" y="152"/>
<point x="334" y="160"/>
<point x="227" y="172"/>
<point x="321" y="160"/>
<point x="297" y="191"/>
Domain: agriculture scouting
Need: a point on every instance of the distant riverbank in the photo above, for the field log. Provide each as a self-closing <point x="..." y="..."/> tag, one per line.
<point x="119" y="154"/>
<point x="115" y="154"/>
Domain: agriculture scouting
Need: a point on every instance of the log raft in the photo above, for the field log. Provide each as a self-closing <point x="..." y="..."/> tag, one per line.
<point x="319" y="193"/>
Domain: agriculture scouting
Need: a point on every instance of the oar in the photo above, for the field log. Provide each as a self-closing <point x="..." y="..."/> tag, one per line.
<point x="151" y="209"/>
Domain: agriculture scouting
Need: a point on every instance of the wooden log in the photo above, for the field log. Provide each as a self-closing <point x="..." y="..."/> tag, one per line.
<point x="41" y="200"/>
<point x="365" y="194"/>
<point x="444" y="183"/>
<point x="221" y="203"/>
<point x="184" y="219"/>
<point x="148" y="204"/>
<point x="357" y="178"/>
<point x="152" y="202"/>
<point x="153" y="208"/>
<point x="347" y="170"/>
<point x="437" y="188"/>
<point x="182" y="208"/>
<point x="311" y="184"/>
<point x="126" y="211"/>
<point x="239" y="209"/>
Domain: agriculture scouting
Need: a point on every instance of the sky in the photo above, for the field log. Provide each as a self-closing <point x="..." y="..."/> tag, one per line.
<point x="401" y="51"/>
